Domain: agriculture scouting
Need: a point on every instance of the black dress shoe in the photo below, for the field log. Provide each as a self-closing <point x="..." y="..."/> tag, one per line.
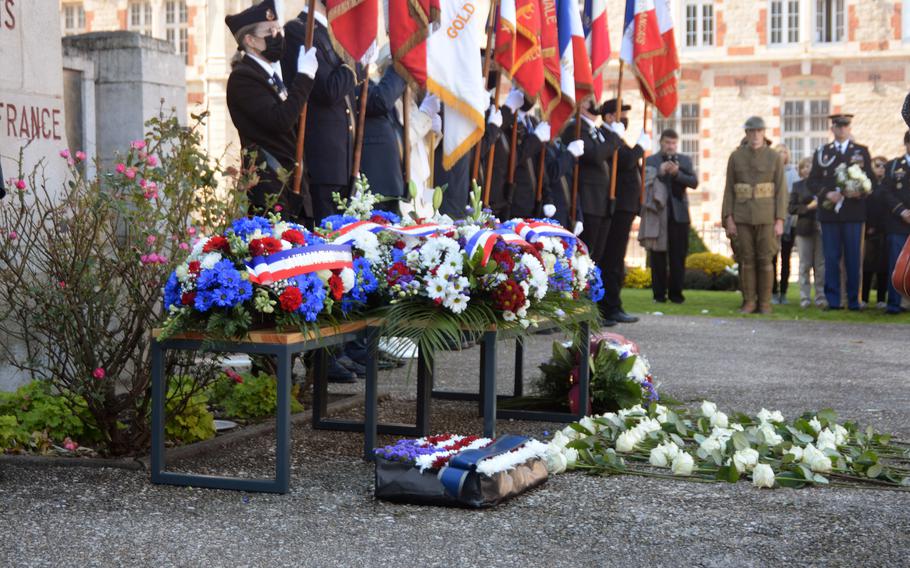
<point x="622" y="317"/>
<point x="339" y="374"/>
<point x="679" y="300"/>
<point x="607" y="322"/>
<point x="353" y="366"/>
<point x="660" y="300"/>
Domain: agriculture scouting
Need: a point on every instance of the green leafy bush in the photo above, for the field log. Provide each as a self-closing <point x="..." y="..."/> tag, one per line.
<point x="696" y="244"/>
<point x="11" y="435"/>
<point x="248" y="396"/>
<point x="708" y="262"/>
<point x="36" y="409"/>
<point x="188" y="417"/>
<point x="638" y="278"/>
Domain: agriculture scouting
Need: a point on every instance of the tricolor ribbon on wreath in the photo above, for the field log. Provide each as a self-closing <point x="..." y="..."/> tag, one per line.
<point x="486" y="239"/>
<point x="285" y="264"/>
<point x="461" y="465"/>
<point x="531" y="231"/>
<point x="347" y="234"/>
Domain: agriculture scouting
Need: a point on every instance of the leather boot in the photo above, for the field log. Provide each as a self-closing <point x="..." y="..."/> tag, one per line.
<point x="747" y="285"/>
<point x="765" y="285"/>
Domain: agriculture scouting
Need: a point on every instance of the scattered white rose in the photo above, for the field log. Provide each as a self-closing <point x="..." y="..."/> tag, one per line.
<point x="570" y="433"/>
<point x="826" y="440"/>
<point x="816" y="425"/>
<point x="588" y="423"/>
<point x="626" y="441"/>
<point x="816" y="459"/>
<point x="658" y="457"/>
<point x="770" y="416"/>
<point x="796" y="452"/>
<point x="556" y="461"/>
<point x="763" y="476"/>
<point x="841" y="435"/>
<point x="710" y="444"/>
<point x="683" y="464"/>
<point x="662" y="413"/>
<point x="745" y="460"/>
<point x="720" y="420"/>
<point x="708" y="409"/>
<point x="571" y="458"/>
<point x="649" y="425"/>
<point x="559" y="440"/>
<point x="771" y="437"/>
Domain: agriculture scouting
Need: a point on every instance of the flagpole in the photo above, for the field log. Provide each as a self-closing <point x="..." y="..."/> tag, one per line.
<point x="361" y="118"/>
<point x="491" y="156"/>
<point x="644" y="157"/>
<point x="406" y="125"/>
<point x="301" y="126"/>
<point x="618" y="115"/>
<point x="487" y="60"/>
<point x="574" y="203"/>
<point x="541" y="161"/>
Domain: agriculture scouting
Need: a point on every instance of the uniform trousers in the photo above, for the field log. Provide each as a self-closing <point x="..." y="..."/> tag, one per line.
<point x="811" y="260"/>
<point x="675" y="257"/>
<point x="595" y="234"/>
<point x="614" y="260"/>
<point x="756" y="246"/>
<point x="842" y="240"/>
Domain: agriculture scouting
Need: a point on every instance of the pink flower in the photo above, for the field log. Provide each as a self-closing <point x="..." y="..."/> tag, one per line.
<point x="184" y="246"/>
<point x="130" y="173"/>
<point x="278" y="208"/>
<point x="64" y="153"/>
<point x="191" y="231"/>
<point x="151" y="194"/>
<point x="71" y="162"/>
<point x="70" y="445"/>
<point x="142" y="183"/>
<point x="80" y="155"/>
<point x="150" y="240"/>
<point x="162" y="259"/>
<point x="62" y="284"/>
<point x="137" y="144"/>
<point x="121" y="167"/>
<point x="233" y="375"/>
<point x="13" y="235"/>
<point x="152" y="161"/>
<point x="99" y="373"/>
<point x="20" y="184"/>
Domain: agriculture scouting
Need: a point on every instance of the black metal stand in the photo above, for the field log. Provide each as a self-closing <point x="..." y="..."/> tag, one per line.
<point x="284" y="353"/>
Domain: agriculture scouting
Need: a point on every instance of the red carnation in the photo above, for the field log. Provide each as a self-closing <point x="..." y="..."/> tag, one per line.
<point x="217" y="243"/>
<point x="336" y="285"/>
<point x="399" y="245"/>
<point x="264" y="246"/>
<point x="188" y="298"/>
<point x="509" y="296"/>
<point x="294" y="237"/>
<point x="290" y="299"/>
<point x="195" y="267"/>
<point x="504" y="259"/>
<point x="379" y="220"/>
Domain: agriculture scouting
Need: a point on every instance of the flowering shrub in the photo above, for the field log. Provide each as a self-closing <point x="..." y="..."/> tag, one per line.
<point x="638" y="278"/>
<point x="248" y="396"/>
<point x="82" y="268"/>
<point x="708" y="262"/>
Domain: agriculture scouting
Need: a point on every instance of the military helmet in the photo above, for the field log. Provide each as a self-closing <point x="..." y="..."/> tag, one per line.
<point x="754" y="123"/>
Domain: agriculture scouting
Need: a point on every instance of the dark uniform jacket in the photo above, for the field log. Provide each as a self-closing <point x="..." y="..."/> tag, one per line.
<point x="268" y="126"/>
<point x="822" y="180"/>
<point x="800" y="198"/>
<point x="329" y="144"/>
<point x="684" y="180"/>
<point x="382" y="137"/>
<point x="527" y="162"/>
<point x="500" y="137"/>
<point x="557" y="190"/>
<point x="593" y="171"/>
<point x="628" y="174"/>
<point x="896" y="196"/>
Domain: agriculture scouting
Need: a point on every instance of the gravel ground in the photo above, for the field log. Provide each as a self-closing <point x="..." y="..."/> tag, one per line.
<point x="107" y="517"/>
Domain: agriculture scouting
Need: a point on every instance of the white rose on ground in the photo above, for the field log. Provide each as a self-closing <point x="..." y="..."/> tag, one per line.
<point x="570" y="434"/>
<point x="770" y="416"/>
<point x="827" y="440"/>
<point x="658" y="457"/>
<point x="771" y="437"/>
<point x="662" y="415"/>
<point x="649" y="425"/>
<point x="588" y="423"/>
<point x="708" y="409"/>
<point x="626" y="441"/>
<point x="683" y="464"/>
<point x="571" y="458"/>
<point x="745" y="460"/>
<point x="559" y="440"/>
<point x="763" y="476"/>
<point x="796" y="452"/>
<point x="556" y="461"/>
<point x="816" y="459"/>
<point x="720" y="420"/>
<point x="840" y="435"/>
<point x="816" y="425"/>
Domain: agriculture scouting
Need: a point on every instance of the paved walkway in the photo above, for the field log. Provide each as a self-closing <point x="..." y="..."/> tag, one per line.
<point x="87" y="517"/>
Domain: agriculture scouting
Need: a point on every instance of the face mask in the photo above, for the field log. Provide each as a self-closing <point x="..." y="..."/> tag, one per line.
<point x="274" y="48"/>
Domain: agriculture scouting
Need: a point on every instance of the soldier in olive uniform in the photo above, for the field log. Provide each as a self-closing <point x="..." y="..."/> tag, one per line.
<point x="896" y="199"/>
<point x="754" y="208"/>
<point x="842" y="227"/>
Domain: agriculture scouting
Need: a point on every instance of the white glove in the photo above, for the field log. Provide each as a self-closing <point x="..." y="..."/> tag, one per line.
<point x="515" y="99"/>
<point x="577" y="148"/>
<point x="644" y="140"/>
<point x="543" y="132"/>
<point x="495" y="116"/>
<point x="306" y="62"/>
<point x="370" y="56"/>
<point x="579" y="228"/>
<point x="549" y="210"/>
<point x="436" y="123"/>
<point x="619" y="129"/>
<point x="430" y="105"/>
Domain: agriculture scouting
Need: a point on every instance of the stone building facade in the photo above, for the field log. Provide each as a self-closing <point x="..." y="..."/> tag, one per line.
<point x="791" y="61"/>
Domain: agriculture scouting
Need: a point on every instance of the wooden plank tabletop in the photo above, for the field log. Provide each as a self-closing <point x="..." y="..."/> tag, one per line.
<point x="279" y="337"/>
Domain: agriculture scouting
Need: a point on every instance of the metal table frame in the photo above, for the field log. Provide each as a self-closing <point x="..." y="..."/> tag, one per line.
<point x="284" y="346"/>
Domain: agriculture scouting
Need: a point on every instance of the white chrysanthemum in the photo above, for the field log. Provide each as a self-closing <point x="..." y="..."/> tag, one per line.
<point x="369" y="244"/>
<point x="455" y="301"/>
<point x="460" y="283"/>
<point x="436" y="288"/>
<point x="183" y="273"/>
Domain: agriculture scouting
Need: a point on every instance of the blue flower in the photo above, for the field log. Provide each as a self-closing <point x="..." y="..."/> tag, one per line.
<point x="335" y="222"/>
<point x="387" y="215"/>
<point x="172" y="292"/>
<point x="246" y="226"/>
<point x="313" y="292"/>
<point x="364" y="283"/>
<point x="596" y="285"/>
<point x="222" y="286"/>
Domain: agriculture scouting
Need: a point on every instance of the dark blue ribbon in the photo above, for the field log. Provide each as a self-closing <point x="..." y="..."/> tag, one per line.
<point x="453" y="475"/>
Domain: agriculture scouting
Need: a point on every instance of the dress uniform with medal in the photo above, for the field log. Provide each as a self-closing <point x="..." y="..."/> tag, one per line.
<point x="842" y="225"/>
<point x="265" y="109"/>
<point x="896" y="200"/>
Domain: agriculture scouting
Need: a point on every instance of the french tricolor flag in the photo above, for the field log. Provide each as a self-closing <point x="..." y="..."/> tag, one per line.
<point x="575" y="67"/>
<point x="597" y="38"/>
<point x="642" y="44"/>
